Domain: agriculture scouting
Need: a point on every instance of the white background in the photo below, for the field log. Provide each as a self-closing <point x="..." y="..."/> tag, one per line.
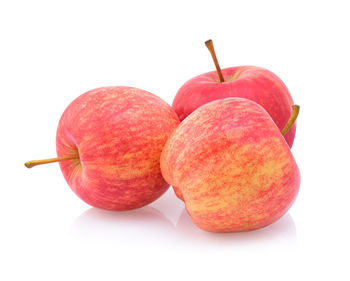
<point x="53" y="51"/>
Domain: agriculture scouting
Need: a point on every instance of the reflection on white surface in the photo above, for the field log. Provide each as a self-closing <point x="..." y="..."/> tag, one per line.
<point x="167" y="224"/>
<point x="281" y="232"/>
<point x="96" y="222"/>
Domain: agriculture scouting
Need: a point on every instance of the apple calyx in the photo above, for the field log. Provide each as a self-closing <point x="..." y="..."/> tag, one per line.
<point x="291" y="120"/>
<point x="210" y="46"/>
<point x="32" y="163"/>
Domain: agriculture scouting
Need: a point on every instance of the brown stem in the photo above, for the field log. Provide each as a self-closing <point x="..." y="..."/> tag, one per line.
<point x="292" y="119"/>
<point x="33" y="163"/>
<point x="210" y="46"/>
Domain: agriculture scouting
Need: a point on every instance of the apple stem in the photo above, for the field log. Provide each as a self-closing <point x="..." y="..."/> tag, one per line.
<point x="292" y="119"/>
<point x="210" y="46"/>
<point x="33" y="163"/>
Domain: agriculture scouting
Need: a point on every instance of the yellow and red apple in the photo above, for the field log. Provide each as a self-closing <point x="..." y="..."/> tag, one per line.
<point x="250" y="82"/>
<point x="109" y="142"/>
<point x="230" y="164"/>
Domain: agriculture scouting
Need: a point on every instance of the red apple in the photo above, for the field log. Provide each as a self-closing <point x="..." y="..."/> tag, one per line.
<point x="230" y="164"/>
<point x="250" y="82"/>
<point x="109" y="142"/>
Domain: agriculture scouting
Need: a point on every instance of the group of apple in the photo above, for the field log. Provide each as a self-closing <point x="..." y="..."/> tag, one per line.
<point x="224" y="146"/>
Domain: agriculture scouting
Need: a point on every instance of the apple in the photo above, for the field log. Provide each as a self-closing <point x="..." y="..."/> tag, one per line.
<point x="229" y="163"/>
<point x="109" y="142"/>
<point x="250" y="82"/>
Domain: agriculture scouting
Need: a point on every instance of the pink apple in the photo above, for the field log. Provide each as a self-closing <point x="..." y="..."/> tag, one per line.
<point x="109" y="142"/>
<point x="229" y="163"/>
<point x="250" y="82"/>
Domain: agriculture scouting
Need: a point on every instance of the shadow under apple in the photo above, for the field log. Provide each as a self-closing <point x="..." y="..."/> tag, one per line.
<point x="101" y="226"/>
<point x="281" y="233"/>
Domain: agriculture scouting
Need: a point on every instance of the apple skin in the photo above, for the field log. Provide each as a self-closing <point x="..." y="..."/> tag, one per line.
<point x="119" y="133"/>
<point x="231" y="166"/>
<point x="250" y="82"/>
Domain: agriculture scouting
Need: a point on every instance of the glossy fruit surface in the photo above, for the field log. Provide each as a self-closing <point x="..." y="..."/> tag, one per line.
<point x="231" y="166"/>
<point x="250" y="82"/>
<point x="117" y="134"/>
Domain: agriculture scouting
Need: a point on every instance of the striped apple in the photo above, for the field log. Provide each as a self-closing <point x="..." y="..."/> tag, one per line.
<point x="229" y="163"/>
<point x="250" y="82"/>
<point x="109" y="142"/>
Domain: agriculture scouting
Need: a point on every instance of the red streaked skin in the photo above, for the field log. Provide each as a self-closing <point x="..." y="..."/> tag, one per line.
<point x="250" y="82"/>
<point x="231" y="166"/>
<point x="119" y="133"/>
